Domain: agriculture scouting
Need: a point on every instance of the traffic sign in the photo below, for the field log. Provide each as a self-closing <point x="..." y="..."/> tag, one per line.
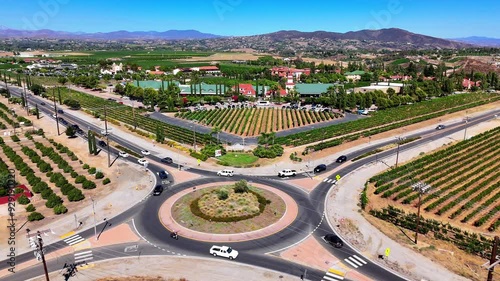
<point x="337" y="177"/>
<point x="387" y="251"/>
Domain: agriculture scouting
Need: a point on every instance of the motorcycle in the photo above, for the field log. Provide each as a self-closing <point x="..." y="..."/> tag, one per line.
<point x="174" y="235"/>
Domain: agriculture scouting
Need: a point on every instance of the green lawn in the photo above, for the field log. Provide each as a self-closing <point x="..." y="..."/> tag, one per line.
<point x="238" y="159"/>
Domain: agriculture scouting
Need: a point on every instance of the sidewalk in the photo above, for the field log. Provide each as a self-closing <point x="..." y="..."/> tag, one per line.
<point x="309" y="161"/>
<point x="342" y="209"/>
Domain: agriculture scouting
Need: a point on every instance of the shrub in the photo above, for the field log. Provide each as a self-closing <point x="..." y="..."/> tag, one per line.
<point x="35" y="216"/>
<point x="46" y="193"/>
<point x="80" y="179"/>
<point x="222" y="194"/>
<point x="30" y="208"/>
<point x="60" y="209"/>
<point x="40" y="186"/>
<point x="106" y="181"/>
<point x="268" y="152"/>
<point x="74" y="174"/>
<point x="18" y="190"/>
<point x="23" y="200"/>
<point x="92" y="170"/>
<point x="241" y="187"/>
<point x="15" y="138"/>
<point x="53" y="201"/>
<point x="86" y="166"/>
<point x="99" y="175"/>
<point x="75" y="195"/>
<point x="88" y="184"/>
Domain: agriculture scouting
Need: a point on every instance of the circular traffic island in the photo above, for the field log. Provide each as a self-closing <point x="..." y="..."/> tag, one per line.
<point x="228" y="211"/>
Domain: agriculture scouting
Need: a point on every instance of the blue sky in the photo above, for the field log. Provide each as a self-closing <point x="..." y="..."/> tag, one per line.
<point x="440" y="18"/>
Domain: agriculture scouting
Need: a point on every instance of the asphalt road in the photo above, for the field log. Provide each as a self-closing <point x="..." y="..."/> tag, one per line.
<point x="311" y="208"/>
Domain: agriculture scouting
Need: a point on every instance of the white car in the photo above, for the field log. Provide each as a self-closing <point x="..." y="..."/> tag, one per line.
<point x="223" y="251"/>
<point x="226" y="173"/>
<point x="145" y="152"/>
<point x="143" y="161"/>
<point x="123" y="154"/>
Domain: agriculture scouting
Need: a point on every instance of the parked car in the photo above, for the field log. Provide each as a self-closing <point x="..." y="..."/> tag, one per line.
<point x="158" y="190"/>
<point x="145" y="152"/>
<point x="143" y="161"/>
<point x="440" y="127"/>
<point x="341" y="159"/>
<point x="167" y="160"/>
<point x="223" y="251"/>
<point x="123" y="154"/>
<point x="163" y="175"/>
<point x="320" y="168"/>
<point x="333" y="240"/>
<point x="225" y="173"/>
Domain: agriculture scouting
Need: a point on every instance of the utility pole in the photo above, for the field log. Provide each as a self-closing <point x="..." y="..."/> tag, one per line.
<point x="421" y="188"/>
<point x="95" y="224"/>
<point x="42" y="255"/>
<point x="55" y="110"/>
<point x="107" y="135"/>
<point x="133" y="114"/>
<point x="400" y="139"/>
<point x="465" y="131"/>
<point x="26" y="100"/>
<point x="493" y="259"/>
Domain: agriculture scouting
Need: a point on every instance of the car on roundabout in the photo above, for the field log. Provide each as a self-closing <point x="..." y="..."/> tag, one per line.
<point x="145" y="152"/>
<point x="333" y="240"/>
<point x="143" y="161"/>
<point x="223" y="251"/>
<point x="225" y="173"/>
<point x="167" y="160"/>
<point x="157" y="190"/>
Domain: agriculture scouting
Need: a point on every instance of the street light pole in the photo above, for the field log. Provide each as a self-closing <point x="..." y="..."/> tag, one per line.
<point x="95" y="224"/>
<point x="107" y="135"/>
<point x="421" y="188"/>
<point x="465" y="131"/>
<point x="55" y="110"/>
<point x="40" y="246"/>
<point x="397" y="153"/>
<point x="493" y="259"/>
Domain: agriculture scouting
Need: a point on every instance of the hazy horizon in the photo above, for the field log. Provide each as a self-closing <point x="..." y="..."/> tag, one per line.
<point x="455" y="19"/>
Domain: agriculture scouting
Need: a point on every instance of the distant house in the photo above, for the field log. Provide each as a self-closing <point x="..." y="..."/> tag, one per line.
<point x="283" y="71"/>
<point x="468" y="84"/>
<point x="313" y="89"/>
<point x="212" y="69"/>
<point x="354" y="75"/>
<point x="401" y="77"/>
<point x="245" y="89"/>
<point x="381" y="86"/>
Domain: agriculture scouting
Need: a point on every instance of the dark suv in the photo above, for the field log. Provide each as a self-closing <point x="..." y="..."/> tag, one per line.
<point x="158" y="190"/>
<point x="341" y="159"/>
<point x="102" y="143"/>
<point x="333" y="240"/>
<point x="320" y="168"/>
<point x="167" y="160"/>
<point x="163" y="175"/>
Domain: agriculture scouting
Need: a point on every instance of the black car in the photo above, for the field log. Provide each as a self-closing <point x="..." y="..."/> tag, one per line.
<point x="102" y="143"/>
<point x="440" y="127"/>
<point x="333" y="240"/>
<point x="76" y="127"/>
<point x="341" y="159"/>
<point x="42" y="103"/>
<point x="320" y="168"/>
<point x="163" y="175"/>
<point x="167" y="160"/>
<point x="60" y="111"/>
<point x="158" y="190"/>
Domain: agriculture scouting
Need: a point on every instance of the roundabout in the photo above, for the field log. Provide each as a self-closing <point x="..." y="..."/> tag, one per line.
<point x="280" y="212"/>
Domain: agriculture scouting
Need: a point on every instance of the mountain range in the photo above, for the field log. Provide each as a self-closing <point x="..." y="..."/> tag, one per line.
<point x="481" y="41"/>
<point x="114" y="35"/>
<point x="389" y="35"/>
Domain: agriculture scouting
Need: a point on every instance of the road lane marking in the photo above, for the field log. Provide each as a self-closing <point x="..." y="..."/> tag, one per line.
<point x="350" y="263"/>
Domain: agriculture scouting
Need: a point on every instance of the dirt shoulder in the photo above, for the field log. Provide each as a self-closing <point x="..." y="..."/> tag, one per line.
<point x="159" y="268"/>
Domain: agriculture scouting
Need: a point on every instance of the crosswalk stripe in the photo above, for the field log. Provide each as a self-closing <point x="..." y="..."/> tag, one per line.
<point x="83" y="253"/>
<point x="83" y="256"/>
<point x="334" y="276"/>
<point x="359" y="259"/>
<point x="75" y="241"/>
<point x="326" y="179"/>
<point x="355" y="261"/>
<point x="72" y="238"/>
<point x="84" y="259"/>
<point x="329" y="181"/>
<point x="71" y="233"/>
<point x="349" y="262"/>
